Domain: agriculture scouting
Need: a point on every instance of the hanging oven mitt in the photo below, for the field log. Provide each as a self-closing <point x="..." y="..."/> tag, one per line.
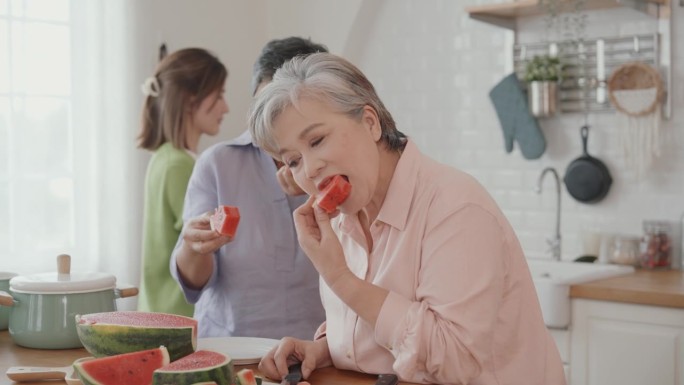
<point x="510" y="103"/>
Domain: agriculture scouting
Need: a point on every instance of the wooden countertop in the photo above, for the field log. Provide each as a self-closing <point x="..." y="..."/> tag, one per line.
<point x="643" y="287"/>
<point x="14" y="355"/>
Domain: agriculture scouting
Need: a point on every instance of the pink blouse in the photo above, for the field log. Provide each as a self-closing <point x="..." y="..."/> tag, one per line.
<point x="462" y="308"/>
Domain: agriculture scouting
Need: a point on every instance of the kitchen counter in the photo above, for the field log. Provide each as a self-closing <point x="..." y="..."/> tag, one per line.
<point x="643" y="287"/>
<point x="14" y="355"/>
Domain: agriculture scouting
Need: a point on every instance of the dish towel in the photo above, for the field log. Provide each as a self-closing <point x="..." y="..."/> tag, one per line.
<point x="510" y="103"/>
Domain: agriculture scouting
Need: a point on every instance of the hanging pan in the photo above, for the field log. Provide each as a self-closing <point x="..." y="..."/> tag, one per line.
<point x="587" y="178"/>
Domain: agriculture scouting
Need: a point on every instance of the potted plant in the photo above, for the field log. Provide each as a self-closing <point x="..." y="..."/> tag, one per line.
<point x="542" y="75"/>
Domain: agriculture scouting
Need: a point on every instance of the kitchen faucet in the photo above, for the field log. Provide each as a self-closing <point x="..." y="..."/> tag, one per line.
<point x="555" y="242"/>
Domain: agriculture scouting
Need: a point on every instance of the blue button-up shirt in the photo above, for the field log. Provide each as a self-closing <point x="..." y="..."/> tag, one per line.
<point x="263" y="285"/>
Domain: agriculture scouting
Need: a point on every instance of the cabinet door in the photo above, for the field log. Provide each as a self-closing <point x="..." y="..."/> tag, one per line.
<point x="626" y="344"/>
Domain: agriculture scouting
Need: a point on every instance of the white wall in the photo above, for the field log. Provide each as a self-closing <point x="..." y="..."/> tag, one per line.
<point x="433" y="67"/>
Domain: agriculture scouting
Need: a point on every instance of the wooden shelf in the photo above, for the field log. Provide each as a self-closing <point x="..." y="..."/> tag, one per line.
<point x="505" y="14"/>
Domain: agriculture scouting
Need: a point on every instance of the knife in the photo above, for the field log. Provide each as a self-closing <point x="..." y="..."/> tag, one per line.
<point x="294" y="375"/>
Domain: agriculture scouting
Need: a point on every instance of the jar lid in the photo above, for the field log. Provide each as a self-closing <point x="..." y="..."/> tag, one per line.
<point x="6" y="275"/>
<point x="62" y="281"/>
<point x="56" y="283"/>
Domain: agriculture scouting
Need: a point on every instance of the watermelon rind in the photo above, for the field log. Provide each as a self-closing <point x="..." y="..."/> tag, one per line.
<point x="221" y="373"/>
<point x="119" y="368"/>
<point x="102" y="339"/>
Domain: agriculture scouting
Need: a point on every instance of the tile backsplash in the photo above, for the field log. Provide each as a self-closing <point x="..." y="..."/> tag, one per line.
<point x="434" y="66"/>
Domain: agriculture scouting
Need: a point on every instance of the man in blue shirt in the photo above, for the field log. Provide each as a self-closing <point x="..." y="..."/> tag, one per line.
<point x="259" y="283"/>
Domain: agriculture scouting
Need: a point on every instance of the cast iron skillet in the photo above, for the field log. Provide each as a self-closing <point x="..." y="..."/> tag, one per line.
<point x="587" y="178"/>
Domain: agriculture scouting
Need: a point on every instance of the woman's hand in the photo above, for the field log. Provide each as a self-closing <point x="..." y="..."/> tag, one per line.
<point x="286" y="180"/>
<point x="312" y="355"/>
<point x="195" y="257"/>
<point x="319" y="242"/>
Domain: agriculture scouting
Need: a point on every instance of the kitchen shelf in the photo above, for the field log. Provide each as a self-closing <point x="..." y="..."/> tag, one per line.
<point x="505" y="14"/>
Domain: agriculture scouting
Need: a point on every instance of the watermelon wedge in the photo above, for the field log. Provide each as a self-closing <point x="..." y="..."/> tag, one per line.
<point x="225" y="220"/>
<point x="130" y="368"/>
<point x="200" y="366"/>
<point x="334" y="194"/>
<point x="246" y="377"/>
<point x="118" y="332"/>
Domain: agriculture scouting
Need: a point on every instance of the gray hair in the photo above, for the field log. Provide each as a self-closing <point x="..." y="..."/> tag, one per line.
<point x="325" y="77"/>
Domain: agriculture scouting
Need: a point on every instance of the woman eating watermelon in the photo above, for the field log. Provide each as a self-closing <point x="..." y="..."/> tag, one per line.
<point x="421" y="273"/>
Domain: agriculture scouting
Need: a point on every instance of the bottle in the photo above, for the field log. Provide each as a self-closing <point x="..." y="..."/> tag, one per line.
<point x="625" y="251"/>
<point x="656" y="245"/>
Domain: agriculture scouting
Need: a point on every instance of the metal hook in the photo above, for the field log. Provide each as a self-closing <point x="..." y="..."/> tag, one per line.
<point x="162" y="51"/>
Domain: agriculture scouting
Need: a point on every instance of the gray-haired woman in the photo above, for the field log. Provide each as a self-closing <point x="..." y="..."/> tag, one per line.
<point x="422" y="275"/>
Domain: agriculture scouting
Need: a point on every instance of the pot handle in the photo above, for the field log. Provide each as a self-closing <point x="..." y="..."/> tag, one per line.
<point x="6" y="299"/>
<point x="126" y="292"/>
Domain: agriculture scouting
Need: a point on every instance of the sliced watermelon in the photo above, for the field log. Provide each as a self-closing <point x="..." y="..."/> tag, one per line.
<point x="225" y="220"/>
<point x="130" y="368"/>
<point x="200" y="366"/>
<point x="110" y="333"/>
<point x="334" y="194"/>
<point x="246" y="377"/>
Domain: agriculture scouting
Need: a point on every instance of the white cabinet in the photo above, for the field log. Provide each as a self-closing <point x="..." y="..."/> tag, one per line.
<point x="615" y="343"/>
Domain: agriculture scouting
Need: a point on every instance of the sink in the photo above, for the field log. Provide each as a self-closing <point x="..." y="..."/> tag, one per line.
<point x="552" y="280"/>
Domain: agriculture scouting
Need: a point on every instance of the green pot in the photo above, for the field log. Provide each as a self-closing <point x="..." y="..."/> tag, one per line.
<point x="4" y="286"/>
<point x="43" y="307"/>
<point x="47" y="321"/>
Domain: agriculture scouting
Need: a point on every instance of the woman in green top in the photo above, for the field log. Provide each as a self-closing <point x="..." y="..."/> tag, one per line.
<point x="184" y="100"/>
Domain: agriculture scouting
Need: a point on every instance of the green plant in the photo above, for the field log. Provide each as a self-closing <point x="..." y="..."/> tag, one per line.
<point x="543" y="68"/>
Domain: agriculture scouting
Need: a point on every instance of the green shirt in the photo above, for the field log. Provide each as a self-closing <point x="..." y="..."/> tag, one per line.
<point x="167" y="179"/>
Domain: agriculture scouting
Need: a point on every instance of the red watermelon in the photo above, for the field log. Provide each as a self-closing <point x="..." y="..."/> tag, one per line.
<point x="130" y="368"/>
<point x="225" y="220"/>
<point x="333" y="194"/>
<point x="246" y="377"/>
<point x="200" y="366"/>
<point x="110" y="333"/>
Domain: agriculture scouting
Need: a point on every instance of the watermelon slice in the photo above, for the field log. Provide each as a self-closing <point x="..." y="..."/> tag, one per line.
<point x="200" y="366"/>
<point x="130" y="368"/>
<point x="110" y="333"/>
<point x="246" y="377"/>
<point x="225" y="220"/>
<point x="334" y="194"/>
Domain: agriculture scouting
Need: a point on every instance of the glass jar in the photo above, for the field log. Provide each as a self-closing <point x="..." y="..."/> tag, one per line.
<point x="656" y="246"/>
<point x="625" y="250"/>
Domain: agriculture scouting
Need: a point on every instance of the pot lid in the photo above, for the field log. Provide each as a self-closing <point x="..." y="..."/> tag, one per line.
<point x="63" y="281"/>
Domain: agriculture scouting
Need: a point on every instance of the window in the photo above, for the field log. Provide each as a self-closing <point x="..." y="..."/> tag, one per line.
<point x="58" y="146"/>
<point x="36" y="135"/>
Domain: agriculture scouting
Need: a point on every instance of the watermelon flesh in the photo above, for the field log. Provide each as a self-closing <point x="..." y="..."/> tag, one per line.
<point x="334" y="194"/>
<point x="118" y="332"/>
<point x="225" y="220"/>
<point x="200" y="366"/>
<point x="130" y="368"/>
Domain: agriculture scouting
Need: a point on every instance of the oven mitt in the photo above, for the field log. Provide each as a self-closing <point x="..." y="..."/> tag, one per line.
<point x="510" y="103"/>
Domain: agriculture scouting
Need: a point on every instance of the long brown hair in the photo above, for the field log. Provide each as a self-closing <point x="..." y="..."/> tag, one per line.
<point x="183" y="78"/>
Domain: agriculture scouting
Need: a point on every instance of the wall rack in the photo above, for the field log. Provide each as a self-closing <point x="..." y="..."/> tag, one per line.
<point x="589" y="64"/>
